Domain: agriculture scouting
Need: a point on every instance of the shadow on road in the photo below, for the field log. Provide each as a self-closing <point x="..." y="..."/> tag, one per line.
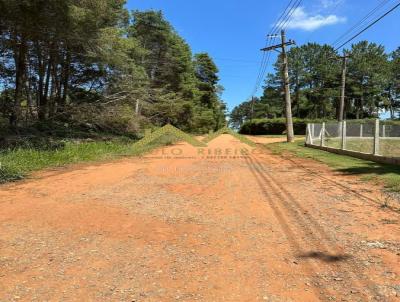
<point x="325" y="257"/>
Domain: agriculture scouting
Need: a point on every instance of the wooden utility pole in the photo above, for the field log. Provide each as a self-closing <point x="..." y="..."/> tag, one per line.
<point x="252" y="108"/>
<point x="341" y="116"/>
<point x="289" y="118"/>
<point x="286" y="82"/>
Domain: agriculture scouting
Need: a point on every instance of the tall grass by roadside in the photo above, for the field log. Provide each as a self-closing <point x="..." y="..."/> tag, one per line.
<point x="17" y="163"/>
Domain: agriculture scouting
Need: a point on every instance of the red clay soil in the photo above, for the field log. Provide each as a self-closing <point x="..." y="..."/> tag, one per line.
<point x="184" y="224"/>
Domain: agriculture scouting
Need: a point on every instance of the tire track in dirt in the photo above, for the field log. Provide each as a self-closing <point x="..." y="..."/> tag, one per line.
<point x="323" y="245"/>
<point x="309" y="268"/>
<point x="340" y="186"/>
<point x="298" y="211"/>
<point x="199" y="229"/>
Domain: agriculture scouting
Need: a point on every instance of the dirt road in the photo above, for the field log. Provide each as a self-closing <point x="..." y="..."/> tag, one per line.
<point x="185" y="225"/>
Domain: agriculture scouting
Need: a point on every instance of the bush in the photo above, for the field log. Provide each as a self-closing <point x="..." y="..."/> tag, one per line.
<point x="34" y="142"/>
<point x="275" y="126"/>
<point x="7" y="174"/>
<point x="119" y="120"/>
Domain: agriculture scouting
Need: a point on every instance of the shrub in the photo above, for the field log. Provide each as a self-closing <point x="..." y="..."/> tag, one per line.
<point x="30" y="141"/>
<point x="275" y="126"/>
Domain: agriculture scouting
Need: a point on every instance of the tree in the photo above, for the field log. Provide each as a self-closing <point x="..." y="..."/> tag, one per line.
<point x="179" y="85"/>
<point x="240" y="114"/>
<point x="315" y="73"/>
<point x="51" y="50"/>
<point x="79" y="60"/>
<point x="393" y="87"/>
<point x="168" y="59"/>
<point x="209" y="92"/>
<point x="367" y="77"/>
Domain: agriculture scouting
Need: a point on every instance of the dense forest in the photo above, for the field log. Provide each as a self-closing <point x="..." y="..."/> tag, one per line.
<point x="93" y="65"/>
<point x="372" y="86"/>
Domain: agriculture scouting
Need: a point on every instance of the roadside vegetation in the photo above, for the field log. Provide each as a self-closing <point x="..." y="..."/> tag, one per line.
<point x="388" y="175"/>
<point x="275" y="126"/>
<point x="83" y="80"/>
<point x="17" y="163"/>
<point x="97" y="67"/>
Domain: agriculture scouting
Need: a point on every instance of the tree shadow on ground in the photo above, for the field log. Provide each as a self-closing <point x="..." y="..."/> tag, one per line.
<point x="372" y="169"/>
<point x="325" y="257"/>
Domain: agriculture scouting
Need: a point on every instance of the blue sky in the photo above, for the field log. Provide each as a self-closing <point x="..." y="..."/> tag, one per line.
<point x="233" y="31"/>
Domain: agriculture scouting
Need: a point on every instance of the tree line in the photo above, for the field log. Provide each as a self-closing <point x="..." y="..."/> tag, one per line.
<point x="93" y="64"/>
<point x="372" y="86"/>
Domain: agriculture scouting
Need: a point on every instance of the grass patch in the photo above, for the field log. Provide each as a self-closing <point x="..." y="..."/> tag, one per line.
<point x="387" y="146"/>
<point x="16" y="164"/>
<point x="388" y="175"/>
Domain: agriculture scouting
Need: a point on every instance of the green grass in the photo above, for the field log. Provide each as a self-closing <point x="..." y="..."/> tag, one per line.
<point x="387" y="147"/>
<point x="18" y="163"/>
<point x="388" y="175"/>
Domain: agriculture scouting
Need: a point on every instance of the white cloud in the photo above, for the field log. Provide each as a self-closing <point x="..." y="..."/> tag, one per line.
<point x="303" y="20"/>
<point x="330" y="3"/>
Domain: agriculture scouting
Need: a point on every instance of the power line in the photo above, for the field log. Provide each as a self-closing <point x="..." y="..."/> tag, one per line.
<point x="369" y="26"/>
<point x="266" y="58"/>
<point x="259" y="75"/>
<point x="287" y="12"/>
<point x="286" y="22"/>
<point x="362" y="21"/>
<point x="264" y="66"/>
<point x="290" y="9"/>
<point x="282" y="17"/>
<point x="285" y="15"/>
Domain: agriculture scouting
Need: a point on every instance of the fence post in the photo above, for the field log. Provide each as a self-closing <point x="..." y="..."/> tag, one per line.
<point x="361" y="130"/>
<point x="376" y="138"/>
<point x="339" y="130"/>
<point x="310" y="137"/>
<point x="323" y="135"/>
<point x="383" y="130"/>
<point x="343" y="144"/>
<point x="308" y="134"/>
<point x="312" y="130"/>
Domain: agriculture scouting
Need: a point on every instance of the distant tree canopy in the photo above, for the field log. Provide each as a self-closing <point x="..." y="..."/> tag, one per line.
<point x="93" y="62"/>
<point x="373" y="84"/>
